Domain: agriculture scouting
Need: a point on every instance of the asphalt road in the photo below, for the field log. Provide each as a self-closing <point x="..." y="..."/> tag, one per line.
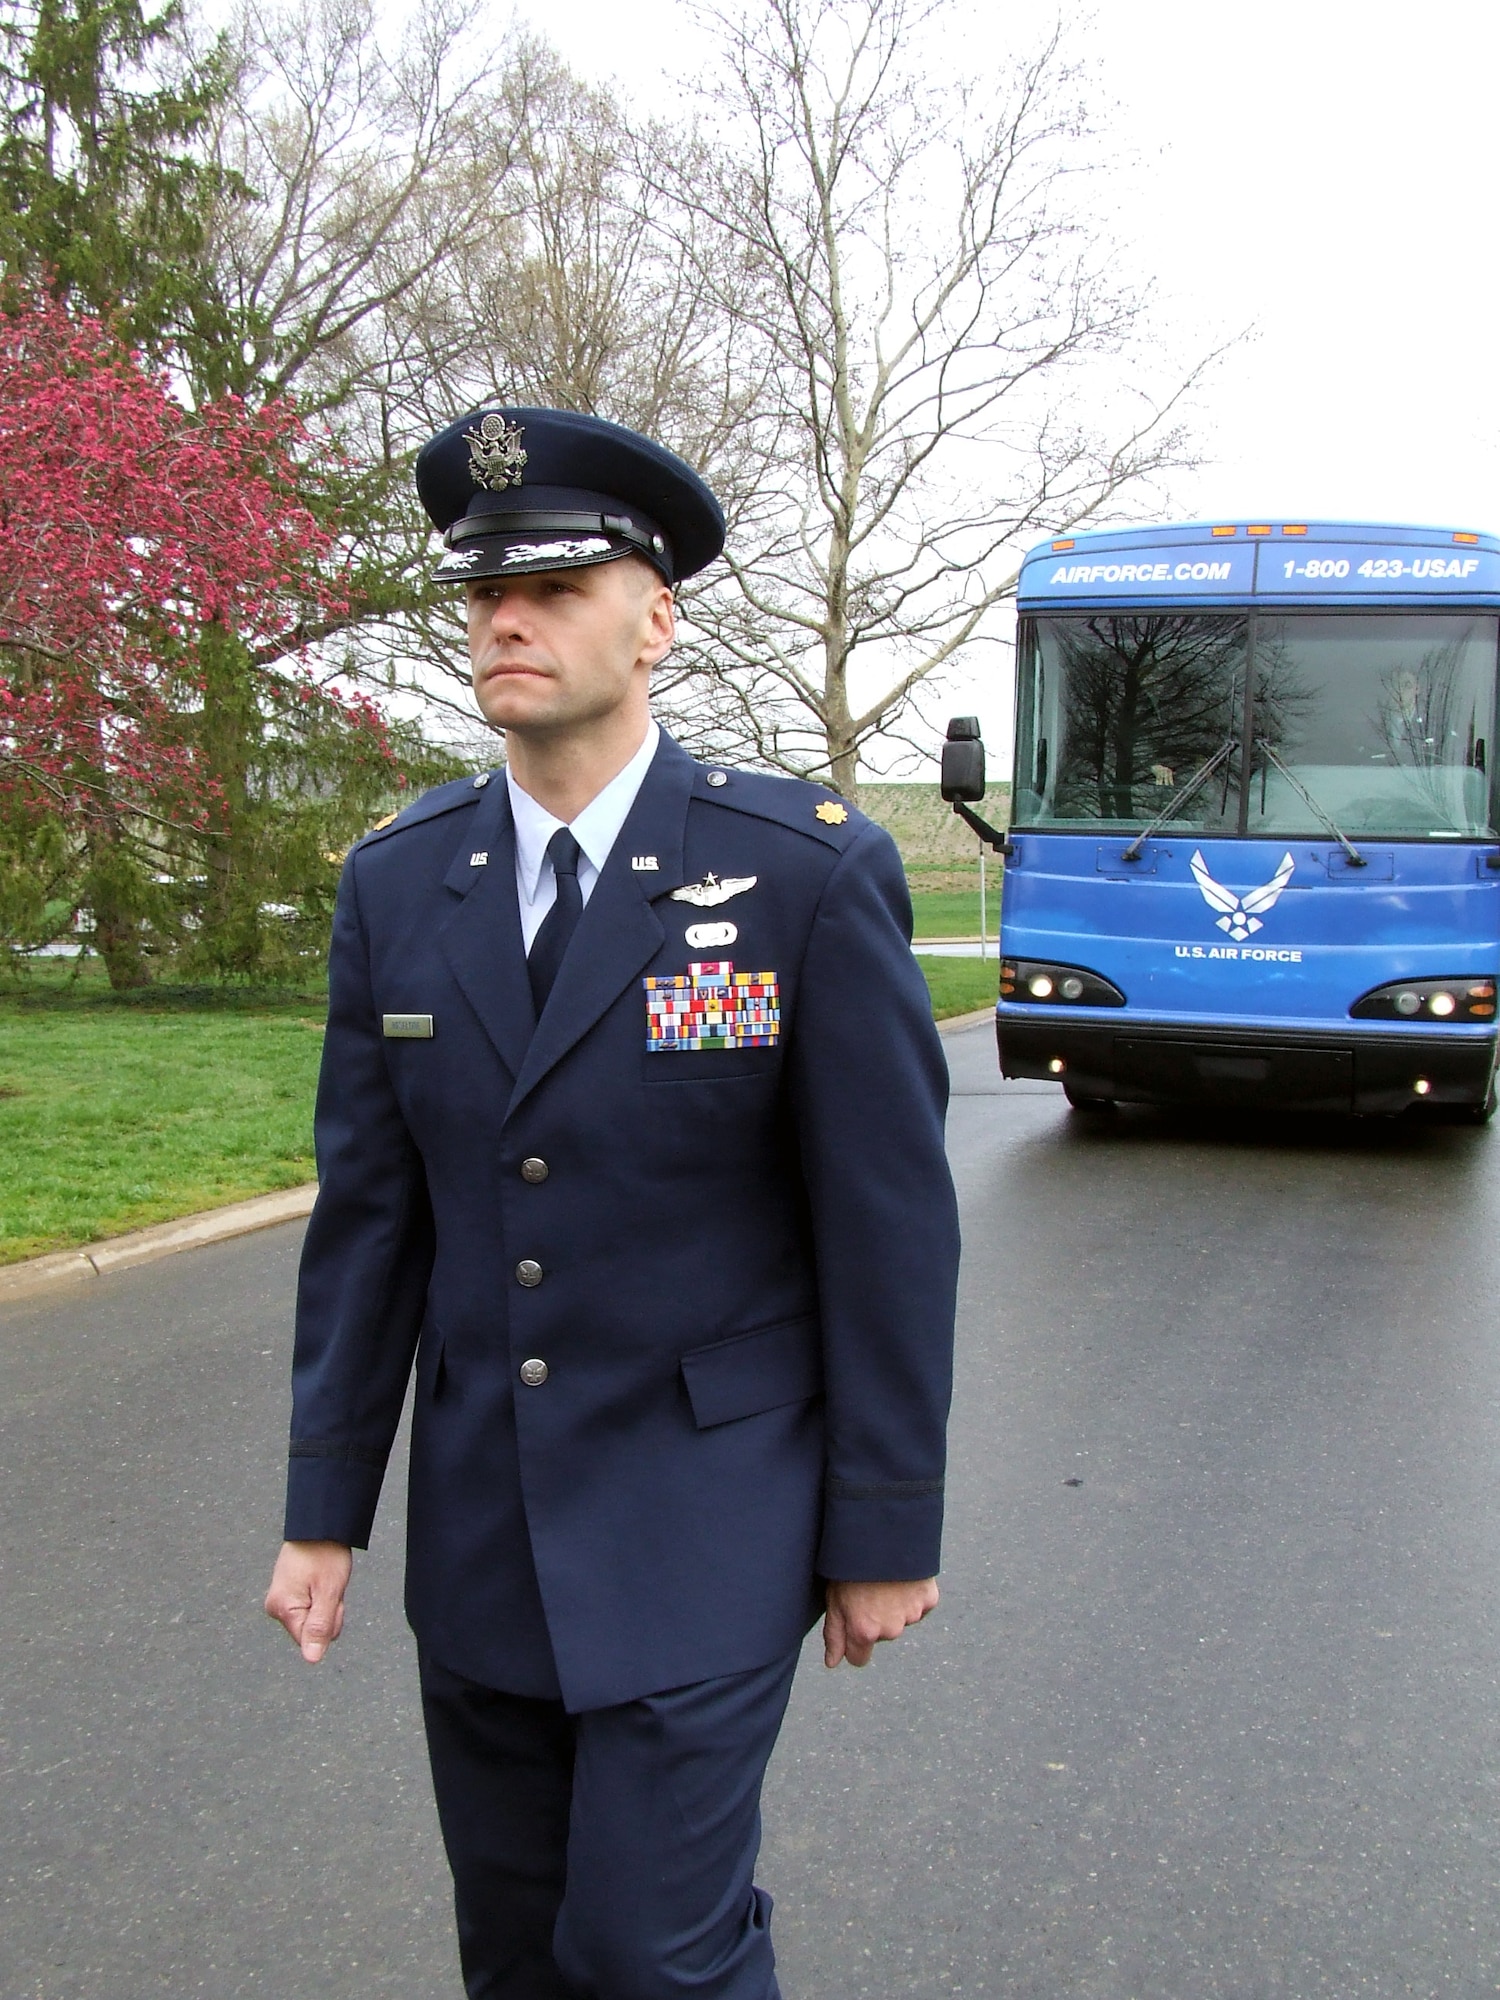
<point x="1210" y="1706"/>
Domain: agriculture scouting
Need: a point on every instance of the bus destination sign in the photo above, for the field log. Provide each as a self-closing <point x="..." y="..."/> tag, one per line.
<point x="1279" y="569"/>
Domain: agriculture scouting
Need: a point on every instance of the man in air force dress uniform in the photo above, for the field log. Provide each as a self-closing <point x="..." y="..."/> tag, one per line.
<point x="630" y="1137"/>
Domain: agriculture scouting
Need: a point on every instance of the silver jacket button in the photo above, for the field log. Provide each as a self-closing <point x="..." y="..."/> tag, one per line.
<point x="533" y="1373"/>
<point x="534" y="1171"/>
<point x="718" y="777"/>
<point x="529" y="1271"/>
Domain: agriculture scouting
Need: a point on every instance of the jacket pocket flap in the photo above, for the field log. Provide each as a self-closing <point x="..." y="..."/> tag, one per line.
<point x="754" y="1372"/>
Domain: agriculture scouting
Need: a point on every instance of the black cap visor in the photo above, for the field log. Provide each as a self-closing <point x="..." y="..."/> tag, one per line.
<point x="523" y="544"/>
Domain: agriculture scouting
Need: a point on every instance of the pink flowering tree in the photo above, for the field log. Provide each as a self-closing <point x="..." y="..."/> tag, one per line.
<point x="160" y="575"/>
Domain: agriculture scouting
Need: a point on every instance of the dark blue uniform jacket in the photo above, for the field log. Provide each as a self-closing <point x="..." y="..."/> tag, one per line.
<point x="747" y="1255"/>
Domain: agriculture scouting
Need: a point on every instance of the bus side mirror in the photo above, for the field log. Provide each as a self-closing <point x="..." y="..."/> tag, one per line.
<point x="963" y="761"/>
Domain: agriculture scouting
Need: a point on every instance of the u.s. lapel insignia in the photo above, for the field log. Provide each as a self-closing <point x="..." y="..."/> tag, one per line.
<point x="711" y="890"/>
<point x="831" y="812"/>
<point x="645" y="864"/>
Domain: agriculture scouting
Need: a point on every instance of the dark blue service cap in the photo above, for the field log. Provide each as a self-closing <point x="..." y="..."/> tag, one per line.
<point x="518" y="490"/>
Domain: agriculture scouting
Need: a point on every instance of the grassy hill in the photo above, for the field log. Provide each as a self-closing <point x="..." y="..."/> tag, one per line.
<point x="930" y="834"/>
<point x="940" y="854"/>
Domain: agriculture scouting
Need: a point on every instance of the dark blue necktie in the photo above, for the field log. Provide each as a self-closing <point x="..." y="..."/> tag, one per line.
<point x="560" y="922"/>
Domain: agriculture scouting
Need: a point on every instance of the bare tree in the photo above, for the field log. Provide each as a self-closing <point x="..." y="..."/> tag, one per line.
<point x="433" y="220"/>
<point x="929" y="317"/>
<point x="587" y="303"/>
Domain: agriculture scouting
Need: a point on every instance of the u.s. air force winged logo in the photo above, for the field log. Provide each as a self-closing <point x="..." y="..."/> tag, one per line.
<point x="711" y="890"/>
<point x="1242" y="914"/>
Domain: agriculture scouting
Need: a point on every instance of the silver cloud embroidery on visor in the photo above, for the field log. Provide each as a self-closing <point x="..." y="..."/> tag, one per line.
<point x="591" y="545"/>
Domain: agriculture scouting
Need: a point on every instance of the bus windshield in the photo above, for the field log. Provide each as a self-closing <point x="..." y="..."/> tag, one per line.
<point x="1387" y="721"/>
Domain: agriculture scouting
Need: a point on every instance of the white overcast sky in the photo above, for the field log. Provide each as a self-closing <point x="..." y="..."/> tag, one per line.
<point x="1322" y="172"/>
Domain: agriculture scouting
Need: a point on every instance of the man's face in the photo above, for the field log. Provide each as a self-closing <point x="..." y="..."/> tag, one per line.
<point x="567" y="646"/>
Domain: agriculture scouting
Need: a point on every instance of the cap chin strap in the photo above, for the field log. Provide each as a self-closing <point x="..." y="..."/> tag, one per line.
<point x="653" y="547"/>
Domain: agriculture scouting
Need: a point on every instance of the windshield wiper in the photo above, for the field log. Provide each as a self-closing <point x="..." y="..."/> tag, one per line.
<point x="1356" y="859"/>
<point x="1190" y="790"/>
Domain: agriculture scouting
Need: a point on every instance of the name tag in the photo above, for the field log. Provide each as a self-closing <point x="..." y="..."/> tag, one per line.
<point x="407" y="1027"/>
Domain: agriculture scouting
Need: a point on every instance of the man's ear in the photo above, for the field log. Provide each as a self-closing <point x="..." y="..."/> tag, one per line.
<point x="661" y="627"/>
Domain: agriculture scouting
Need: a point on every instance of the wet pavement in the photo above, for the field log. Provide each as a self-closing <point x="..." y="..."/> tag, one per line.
<point x="1210" y="1707"/>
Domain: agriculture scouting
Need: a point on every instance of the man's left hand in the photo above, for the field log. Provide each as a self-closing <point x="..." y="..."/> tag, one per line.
<point x="860" y="1615"/>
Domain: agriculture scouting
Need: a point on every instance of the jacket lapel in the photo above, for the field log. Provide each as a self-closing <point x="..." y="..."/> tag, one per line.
<point x="481" y="938"/>
<point x="619" y="933"/>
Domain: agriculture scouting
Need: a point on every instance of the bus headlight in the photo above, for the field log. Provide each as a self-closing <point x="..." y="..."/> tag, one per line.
<point x="1041" y="984"/>
<point x="1471" y="999"/>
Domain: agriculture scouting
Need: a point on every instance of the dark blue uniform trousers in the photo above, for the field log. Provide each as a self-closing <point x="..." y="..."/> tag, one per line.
<point x="608" y="1855"/>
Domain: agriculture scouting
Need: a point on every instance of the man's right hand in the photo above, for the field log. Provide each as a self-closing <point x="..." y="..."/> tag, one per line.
<point x="307" y="1593"/>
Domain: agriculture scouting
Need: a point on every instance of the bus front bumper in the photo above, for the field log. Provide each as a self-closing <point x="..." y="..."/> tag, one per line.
<point x="1325" y="1070"/>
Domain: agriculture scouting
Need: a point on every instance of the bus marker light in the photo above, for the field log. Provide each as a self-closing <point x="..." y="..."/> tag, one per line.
<point x="1301" y="529"/>
<point x="1414" y="1000"/>
<point x="1467" y="540"/>
<point x="1259" y="528"/>
<point x="1057" y="1066"/>
<point x="1223" y="531"/>
<point x="1061" y="548"/>
<point x="1421" y="1086"/>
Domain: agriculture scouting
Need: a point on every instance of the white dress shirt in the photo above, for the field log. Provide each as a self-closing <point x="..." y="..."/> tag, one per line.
<point x="596" y="829"/>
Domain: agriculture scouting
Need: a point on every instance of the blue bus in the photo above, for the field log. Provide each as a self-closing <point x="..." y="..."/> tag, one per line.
<point x="1253" y="857"/>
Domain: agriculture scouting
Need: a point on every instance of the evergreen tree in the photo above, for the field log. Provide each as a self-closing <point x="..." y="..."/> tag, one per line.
<point x="108" y="194"/>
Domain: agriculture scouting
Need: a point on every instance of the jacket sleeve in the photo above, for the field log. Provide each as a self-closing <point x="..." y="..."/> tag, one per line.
<point x="366" y="1263"/>
<point x="870" y="1087"/>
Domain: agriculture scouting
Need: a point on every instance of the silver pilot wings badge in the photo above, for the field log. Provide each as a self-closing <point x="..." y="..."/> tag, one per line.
<point x="711" y="890"/>
<point x="1242" y="914"/>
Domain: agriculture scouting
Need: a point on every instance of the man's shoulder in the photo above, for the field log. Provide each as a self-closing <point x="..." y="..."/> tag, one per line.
<point x="452" y="797"/>
<point x="802" y="807"/>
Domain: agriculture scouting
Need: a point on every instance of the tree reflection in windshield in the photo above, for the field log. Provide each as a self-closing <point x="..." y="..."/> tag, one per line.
<point x="1391" y="733"/>
<point x="1144" y="701"/>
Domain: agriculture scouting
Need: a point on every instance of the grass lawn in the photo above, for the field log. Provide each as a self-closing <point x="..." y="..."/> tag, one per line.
<point x="119" y="1113"/>
<point x="959" y="985"/>
<point x="953" y="913"/>
<point x="116" y="1112"/>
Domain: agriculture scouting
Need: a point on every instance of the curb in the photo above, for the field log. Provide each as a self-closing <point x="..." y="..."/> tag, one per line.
<point x="215" y="1225"/>
<point x="144" y="1246"/>
<point x="954" y="1022"/>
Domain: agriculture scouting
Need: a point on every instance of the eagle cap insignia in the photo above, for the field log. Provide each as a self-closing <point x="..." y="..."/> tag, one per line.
<point x="496" y="455"/>
<point x="831" y="812"/>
